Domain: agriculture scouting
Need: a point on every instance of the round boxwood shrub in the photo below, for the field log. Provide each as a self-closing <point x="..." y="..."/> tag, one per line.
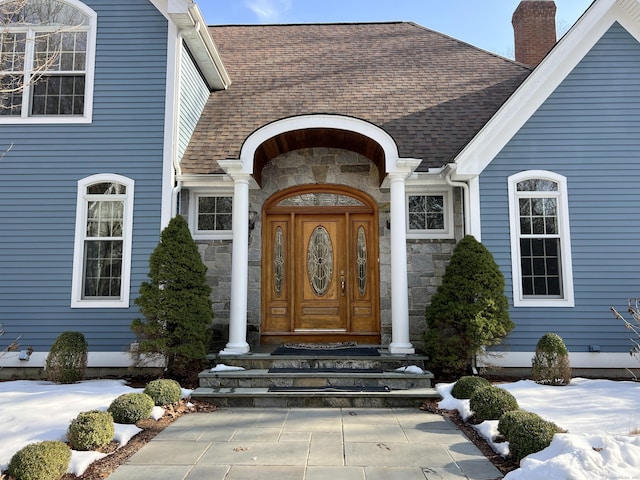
<point x="511" y="421"/>
<point x="530" y="434"/>
<point x="40" y="461"/>
<point x="129" y="408"/>
<point x="67" y="359"/>
<point x="91" y="430"/>
<point x="550" y="364"/>
<point x="164" y="391"/>
<point x="466" y="386"/>
<point x="490" y="403"/>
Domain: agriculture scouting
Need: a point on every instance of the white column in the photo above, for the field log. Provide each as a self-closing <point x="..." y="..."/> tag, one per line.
<point x="400" y="343"/>
<point x="239" y="267"/>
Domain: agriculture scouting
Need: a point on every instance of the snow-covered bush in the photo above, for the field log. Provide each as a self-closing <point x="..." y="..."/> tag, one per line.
<point x="490" y="403"/>
<point x="550" y="364"/>
<point x="164" y="391"/>
<point x="67" y="359"/>
<point x="40" y="461"/>
<point x="91" y="430"/>
<point x="530" y="434"/>
<point x="466" y="386"/>
<point x="130" y="408"/>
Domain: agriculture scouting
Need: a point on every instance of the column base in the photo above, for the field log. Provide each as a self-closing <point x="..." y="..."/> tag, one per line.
<point x="401" y="349"/>
<point x="235" y="349"/>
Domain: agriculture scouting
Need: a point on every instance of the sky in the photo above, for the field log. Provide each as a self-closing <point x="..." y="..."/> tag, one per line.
<point x="483" y="23"/>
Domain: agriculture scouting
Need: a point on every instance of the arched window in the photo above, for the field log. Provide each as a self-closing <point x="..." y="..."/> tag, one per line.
<point x="540" y="243"/>
<point x="102" y="257"/>
<point x="46" y="61"/>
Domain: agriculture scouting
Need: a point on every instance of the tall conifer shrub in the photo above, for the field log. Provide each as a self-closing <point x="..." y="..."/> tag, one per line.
<point x="175" y="304"/>
<point x="469" y="310"/>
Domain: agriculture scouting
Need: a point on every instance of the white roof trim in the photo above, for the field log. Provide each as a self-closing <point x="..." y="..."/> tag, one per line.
<point x="192" y="26"/>
<point x="543" y="81"/>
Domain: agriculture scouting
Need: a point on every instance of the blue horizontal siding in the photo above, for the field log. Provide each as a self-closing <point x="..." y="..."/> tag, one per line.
<point x="588" y="131"/>
<point x="38" y="183"/>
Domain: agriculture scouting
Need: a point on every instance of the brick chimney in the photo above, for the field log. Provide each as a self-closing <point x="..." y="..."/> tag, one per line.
<point x="534" y="28"/>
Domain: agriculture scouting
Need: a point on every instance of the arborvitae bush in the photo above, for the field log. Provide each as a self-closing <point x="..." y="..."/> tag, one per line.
<point x="466" y="386"/>
<point x="130" y="408"/>
<point x="175" y="304"/>
<point x="530" y="434"/>
<point x="469" y="310"/>
<point x="490" y="403"/>
<point x="550" y="365"/>
<point x="67" y="359"/>
<point x="91" y="430"/>
<point x="40" y="461"/>
<point x="164" y="391"/>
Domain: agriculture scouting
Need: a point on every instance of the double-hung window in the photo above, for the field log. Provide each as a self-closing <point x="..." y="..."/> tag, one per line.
<point x="46" y="61"/>
<point x="541" y="255"/>
<point x="103" y="242"/>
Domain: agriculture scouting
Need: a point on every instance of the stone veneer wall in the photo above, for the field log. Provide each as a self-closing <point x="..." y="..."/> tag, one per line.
<point x="427" y="259"/>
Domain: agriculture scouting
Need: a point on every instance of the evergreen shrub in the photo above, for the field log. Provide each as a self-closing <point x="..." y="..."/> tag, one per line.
<point x="466" y="386"/>
<point x="468" y="311"/>
<point x="47" y="460"/>
<point x="91" y="430"/>
<point x="175" y="303"/>
<point x="164" y="391"/>
<point x="530" y="434"/>
<point x="550" y="364"/>
<point x="490" y="403"/>
<point x="511" y="421"/>
<point x="130" y="408"/>
<point x="67" y="359"/>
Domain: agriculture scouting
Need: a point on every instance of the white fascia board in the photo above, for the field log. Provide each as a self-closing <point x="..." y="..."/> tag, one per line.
<point x="206" y="181"/>
<point x="193" y="27"/>
<point x="94" y="360"/>
<point x="543" y="81"/>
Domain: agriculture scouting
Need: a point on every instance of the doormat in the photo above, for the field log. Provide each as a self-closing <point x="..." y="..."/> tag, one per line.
<point x="325" y="370"/>
<point x="329" y="389"/>
<point x="325" y="351"/>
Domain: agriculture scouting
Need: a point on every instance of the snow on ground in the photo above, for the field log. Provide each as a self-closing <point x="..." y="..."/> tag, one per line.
<point x="33" y="411"/>
<point x="599" y="415"/>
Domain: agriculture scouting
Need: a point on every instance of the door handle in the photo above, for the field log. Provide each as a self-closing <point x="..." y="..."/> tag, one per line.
<point x="343" y="282"/>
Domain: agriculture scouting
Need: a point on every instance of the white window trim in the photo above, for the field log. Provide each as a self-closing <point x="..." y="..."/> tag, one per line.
<point x="78" y="254"/>
<point x="193" y="216"/>
<point x="87" y="116"/>
<point x="565" y="241"/>
<point x="447" y="232"/>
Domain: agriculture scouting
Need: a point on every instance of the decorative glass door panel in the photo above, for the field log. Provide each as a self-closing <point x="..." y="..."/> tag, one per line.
<point x="320" y="266"/>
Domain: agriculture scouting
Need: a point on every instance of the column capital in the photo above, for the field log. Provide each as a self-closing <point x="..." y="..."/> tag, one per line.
<point x="235" y="170"/>
<point x="402" y="168"/>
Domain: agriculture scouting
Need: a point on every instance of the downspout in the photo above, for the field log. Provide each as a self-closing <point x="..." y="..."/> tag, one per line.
<point x="177" y="171"/>
<point x="446" y="174"/>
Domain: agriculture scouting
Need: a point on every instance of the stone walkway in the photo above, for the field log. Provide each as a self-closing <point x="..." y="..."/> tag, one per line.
<point x="309" y="444"/>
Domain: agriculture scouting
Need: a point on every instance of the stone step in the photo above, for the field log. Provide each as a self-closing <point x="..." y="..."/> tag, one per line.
<point x="261" y="378"/>
<point x="263" y="398"/>
<point x="265" y="361"/>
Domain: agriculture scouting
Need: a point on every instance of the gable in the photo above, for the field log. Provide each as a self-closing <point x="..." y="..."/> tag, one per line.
<point x="605" y="35"/>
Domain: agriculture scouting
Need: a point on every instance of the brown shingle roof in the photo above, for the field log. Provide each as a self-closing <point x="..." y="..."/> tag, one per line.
<point x="430" y="92"/>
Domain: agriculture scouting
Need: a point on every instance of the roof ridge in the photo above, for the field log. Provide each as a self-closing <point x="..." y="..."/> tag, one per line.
<point x="306" y="24"/>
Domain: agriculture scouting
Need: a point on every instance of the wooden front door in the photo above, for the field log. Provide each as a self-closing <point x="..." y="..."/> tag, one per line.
<point x="320" y="267"/>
